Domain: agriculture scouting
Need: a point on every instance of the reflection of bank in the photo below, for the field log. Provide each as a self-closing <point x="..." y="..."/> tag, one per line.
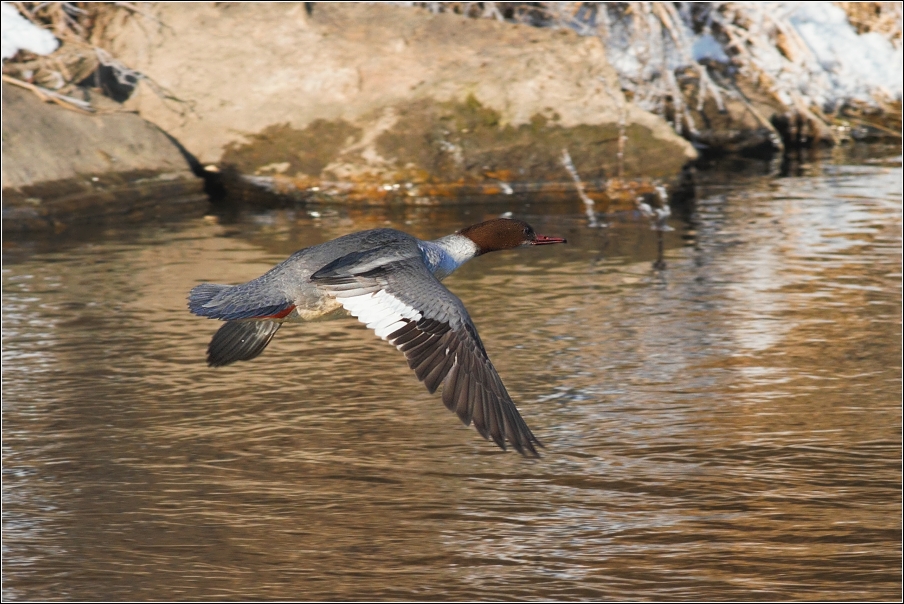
<point x="805" y="283"/>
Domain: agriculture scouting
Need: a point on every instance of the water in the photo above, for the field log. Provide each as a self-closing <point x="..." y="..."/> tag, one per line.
<point x="728" y="428"/>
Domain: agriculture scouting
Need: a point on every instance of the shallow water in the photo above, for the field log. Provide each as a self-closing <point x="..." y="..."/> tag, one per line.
<point x="727" y="428"/>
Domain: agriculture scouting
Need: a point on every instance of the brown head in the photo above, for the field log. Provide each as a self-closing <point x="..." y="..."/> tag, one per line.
<point x="505" y="234"/>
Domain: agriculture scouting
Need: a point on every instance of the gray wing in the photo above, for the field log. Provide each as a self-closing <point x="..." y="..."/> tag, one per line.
<point x="406" y="305"/>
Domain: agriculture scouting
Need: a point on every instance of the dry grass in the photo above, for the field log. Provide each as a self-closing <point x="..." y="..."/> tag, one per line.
<point x="883" y="18"/>
<point x="74" y="76"/>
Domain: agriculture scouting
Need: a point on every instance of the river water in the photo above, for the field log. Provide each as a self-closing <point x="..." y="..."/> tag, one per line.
<point x="729" y="427"/>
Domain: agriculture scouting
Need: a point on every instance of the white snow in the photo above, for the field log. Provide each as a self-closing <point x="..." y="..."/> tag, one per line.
<point x="824" y="62"/>
<point x="21" y="34"/>
<point x="854" y="66"/>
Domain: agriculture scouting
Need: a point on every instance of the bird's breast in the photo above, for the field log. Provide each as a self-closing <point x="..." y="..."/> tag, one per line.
<point x="323" y="308"/>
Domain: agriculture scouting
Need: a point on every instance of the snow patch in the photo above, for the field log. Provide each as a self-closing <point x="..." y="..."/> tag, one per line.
<point x="21" y="34"/>
<point x="854" y="66"/>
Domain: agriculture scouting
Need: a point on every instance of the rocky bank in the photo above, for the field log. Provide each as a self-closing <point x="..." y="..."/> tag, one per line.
<point x="348" y="103"/>
<point x="62" y="167"/>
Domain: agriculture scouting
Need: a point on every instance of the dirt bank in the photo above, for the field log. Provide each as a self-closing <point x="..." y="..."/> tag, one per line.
<point x="367" y="96"/>
<point x="355" y="103"/>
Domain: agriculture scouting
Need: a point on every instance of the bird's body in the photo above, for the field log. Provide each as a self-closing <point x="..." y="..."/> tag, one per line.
<point x="390" y="281"/>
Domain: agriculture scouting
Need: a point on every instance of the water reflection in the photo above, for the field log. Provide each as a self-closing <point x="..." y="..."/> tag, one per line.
<point x="727" y="428"/>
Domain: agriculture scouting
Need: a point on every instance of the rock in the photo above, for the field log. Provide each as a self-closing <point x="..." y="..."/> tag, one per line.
<point x="366" y="95"/>
<point x="62" y="167"/>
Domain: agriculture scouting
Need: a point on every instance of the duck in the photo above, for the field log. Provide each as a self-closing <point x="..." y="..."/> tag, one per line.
<point x="390" y="281"/>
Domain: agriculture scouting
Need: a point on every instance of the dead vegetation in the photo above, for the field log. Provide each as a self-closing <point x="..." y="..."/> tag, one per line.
<point x="81" y="75"/>
<point x="753" y="45"/>
<point x="651" y="45"/>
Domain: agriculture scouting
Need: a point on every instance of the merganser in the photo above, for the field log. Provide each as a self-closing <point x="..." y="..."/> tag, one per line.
<point x="390" y="281"/>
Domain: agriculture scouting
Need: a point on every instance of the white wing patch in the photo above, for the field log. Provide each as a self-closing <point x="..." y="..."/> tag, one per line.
<point x="380" y="310"/>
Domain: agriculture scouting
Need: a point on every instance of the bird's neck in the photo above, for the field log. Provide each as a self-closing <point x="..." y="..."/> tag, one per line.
<point x="446" y="254"/>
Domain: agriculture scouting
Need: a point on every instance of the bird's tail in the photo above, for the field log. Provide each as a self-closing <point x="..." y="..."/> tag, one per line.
<point x="251" y="319"/>
<point x="201" y="295"/>
<point x="230" y="302"/>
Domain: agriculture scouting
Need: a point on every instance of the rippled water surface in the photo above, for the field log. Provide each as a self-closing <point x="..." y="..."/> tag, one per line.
<point x="729" y="427"/>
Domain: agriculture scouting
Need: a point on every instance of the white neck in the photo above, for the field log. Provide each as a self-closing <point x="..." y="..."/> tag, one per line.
<point x="446" y="254"/>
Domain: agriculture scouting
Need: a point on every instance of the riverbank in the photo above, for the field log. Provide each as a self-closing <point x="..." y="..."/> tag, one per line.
<point x="359" y="104"/>
<point x="63" y="168"/>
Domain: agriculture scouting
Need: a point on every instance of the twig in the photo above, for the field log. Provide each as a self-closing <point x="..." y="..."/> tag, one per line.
<point x="23" y="10"/>
<point x="894" y="133"/>
<point x="64" y="101"/>
<point x="139" y="11"/>
<point x="588" y="203"/>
